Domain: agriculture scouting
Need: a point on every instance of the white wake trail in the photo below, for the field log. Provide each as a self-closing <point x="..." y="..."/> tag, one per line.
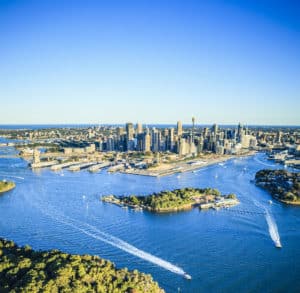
<point x="112" y="240"/>
<point x="273" y="230"/>
<point x="11" y="176"/>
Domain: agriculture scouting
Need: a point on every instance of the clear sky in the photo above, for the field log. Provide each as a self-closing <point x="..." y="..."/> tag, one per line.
<point x="156" y="61"/>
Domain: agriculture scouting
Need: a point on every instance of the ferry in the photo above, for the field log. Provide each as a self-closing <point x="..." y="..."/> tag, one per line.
<point x="187" y="276"/>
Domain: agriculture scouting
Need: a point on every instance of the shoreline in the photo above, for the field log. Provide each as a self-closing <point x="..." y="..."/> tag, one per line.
<point x="185" y="166"/>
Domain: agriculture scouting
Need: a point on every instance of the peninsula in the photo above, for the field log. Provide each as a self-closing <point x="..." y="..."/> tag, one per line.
<point x="25" y="270"/>
<point x="281" y="184"/>
<point x="6" y="186"/>
<point x="175" y="200"/>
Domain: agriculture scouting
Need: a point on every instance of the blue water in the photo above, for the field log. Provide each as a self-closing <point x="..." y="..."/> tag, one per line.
<point x="223" y="251"/>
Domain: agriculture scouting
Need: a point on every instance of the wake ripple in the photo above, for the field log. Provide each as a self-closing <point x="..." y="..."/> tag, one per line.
<point x="95" y="233"/>
<point x="272" y="226"/>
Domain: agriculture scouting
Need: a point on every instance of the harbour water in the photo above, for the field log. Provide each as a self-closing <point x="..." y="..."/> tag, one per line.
<point x="224" y="251"/>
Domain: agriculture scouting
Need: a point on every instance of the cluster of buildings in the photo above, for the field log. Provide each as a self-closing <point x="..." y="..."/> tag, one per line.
<point x="175" y="139"/>
<point x="187" y="140"/>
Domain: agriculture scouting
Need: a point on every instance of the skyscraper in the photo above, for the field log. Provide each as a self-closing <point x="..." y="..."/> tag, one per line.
<point x="139" y="128"/>
<point x="129" y="136"/>
<point x="156" y="138"/>
<point x="129" y="130"/>
<point x="170" y="140"/>
<point x="179" y="128"/>
<point x="215" y="129"/>
<point x="146" y="141"/>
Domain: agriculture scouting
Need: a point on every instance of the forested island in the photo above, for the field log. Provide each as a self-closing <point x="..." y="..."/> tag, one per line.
<point x="25" y="270"/>
<point x="175" y="200"/>
<point x="281" y="184"/>
<point x="6" y="186"/>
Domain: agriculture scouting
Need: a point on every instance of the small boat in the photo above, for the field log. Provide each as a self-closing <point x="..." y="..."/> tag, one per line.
<point x="187" y="276"/>
<point x="278" y="244"/>
<point x="270" y="202"/>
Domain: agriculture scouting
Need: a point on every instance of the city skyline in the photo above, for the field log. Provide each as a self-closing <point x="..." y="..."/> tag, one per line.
<point x="91" y="63"/>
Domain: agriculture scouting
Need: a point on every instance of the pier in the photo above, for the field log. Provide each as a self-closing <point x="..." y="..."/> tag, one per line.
<point x="98" y="167"/>
<point x="81" y="166"/>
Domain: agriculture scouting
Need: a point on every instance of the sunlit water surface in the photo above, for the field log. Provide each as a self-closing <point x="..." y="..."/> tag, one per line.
<point x="224" y="251"/>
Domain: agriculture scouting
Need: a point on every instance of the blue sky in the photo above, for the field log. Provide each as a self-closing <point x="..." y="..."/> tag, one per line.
<point x="69" y="61"/>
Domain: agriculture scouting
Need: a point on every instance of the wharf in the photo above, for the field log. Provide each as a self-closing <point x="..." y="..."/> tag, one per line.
<point x="97" y="167"/>
<point x="62" y="166"/>
<point x="78" y="167"/>
<point x="43" y="164"/>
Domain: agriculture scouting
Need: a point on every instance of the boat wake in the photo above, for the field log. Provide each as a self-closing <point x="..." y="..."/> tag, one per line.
<point x="273" y="230"/>
<point x="272" y="226"/>
<point x="95" y="233"/>
<point x="11" y="176"/>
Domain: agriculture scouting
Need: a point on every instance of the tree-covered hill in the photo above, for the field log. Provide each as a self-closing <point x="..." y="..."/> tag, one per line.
<point x="25" y="270"/>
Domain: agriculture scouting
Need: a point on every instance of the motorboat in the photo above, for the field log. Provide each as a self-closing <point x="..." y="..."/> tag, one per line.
<point x="270" y="202"/>
<point x="278" y="244"/>
<point x="187" y="276"/>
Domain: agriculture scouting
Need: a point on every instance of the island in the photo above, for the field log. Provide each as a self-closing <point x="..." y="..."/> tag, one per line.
<point x="25" y="270"/>
<point x="6" y="186"/>
<point x="284" y="186"/>
<point x="175" y="200"/>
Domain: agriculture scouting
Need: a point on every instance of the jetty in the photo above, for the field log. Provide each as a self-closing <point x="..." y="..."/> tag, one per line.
<point x="116" y="168"/>
<point x="81" y="166"/>
<point x="43" y="164"/>
<point x="220" y="203"/>
<point x="62" y="166"/>
<point x="97" y="167"/>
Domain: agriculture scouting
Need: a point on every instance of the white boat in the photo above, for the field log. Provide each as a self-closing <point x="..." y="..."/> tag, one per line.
<point x="278" y="244"/>
<point x="270" y="202"/>
<point x="187" y="276"/>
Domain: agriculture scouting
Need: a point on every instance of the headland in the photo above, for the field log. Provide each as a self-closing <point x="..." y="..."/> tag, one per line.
<point x="284" y="186"/>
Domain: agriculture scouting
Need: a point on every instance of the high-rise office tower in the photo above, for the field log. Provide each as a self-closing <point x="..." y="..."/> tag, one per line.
<point x="179" y="128"/>
<point x="193" y="129"/>
<point x="170" y="140"/>
<point x="146" y="141"/>
<point x="129" y="131"/>
<point x="139" y="128"/>
<point x="215" y="129"/>
<point x="156" y="138"/>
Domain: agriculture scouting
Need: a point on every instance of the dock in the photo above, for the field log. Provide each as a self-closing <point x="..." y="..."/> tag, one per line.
<point x="43" y="164"/>
<point x="97" y="167"/>
<point x="81" y="166"/>
<point x="116" y="168"/>
<point x="62" y="166"/>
